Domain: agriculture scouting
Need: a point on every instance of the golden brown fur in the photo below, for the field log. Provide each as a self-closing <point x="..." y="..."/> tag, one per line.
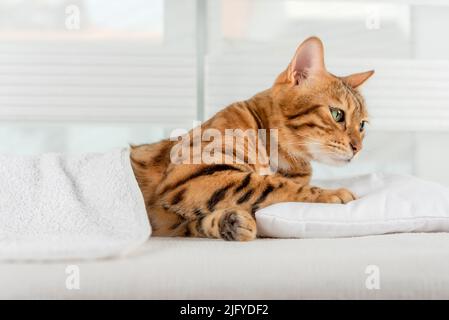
<point x="219" y="200"/>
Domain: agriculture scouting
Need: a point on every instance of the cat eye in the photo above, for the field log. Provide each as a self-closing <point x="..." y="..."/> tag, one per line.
<point x="362" y="126"/>
<point x="337" y="114"/>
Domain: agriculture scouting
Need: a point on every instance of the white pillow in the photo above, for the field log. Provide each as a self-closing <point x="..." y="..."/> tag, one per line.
<point x="387" y="204"/>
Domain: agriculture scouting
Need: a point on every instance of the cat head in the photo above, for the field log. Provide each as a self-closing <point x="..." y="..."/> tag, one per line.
<point x="322" y="116"/>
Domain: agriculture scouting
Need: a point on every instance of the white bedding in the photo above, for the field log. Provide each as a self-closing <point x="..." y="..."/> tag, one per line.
<point x="411" y="266"/>
<point x="56" y="206"/>
<point x="387" y="203"/>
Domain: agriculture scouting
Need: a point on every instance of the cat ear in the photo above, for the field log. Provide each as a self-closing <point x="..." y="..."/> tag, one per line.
<point x="307" y="62"/>
<point x="357" y="79"/>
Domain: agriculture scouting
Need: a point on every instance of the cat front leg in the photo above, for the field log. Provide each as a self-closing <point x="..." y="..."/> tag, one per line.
<point x="294" y="192"/>
<point x="341" y="195"/>
<point x="232" y="224"/>
<point x="319" y="195"/>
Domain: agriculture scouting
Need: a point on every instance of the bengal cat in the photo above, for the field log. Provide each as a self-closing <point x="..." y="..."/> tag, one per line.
<point x="318" y="116"/>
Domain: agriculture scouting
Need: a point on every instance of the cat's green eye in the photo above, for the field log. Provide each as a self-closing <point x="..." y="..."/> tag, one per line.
<point x="362" y="126"/>
<point x="337" y="114"/>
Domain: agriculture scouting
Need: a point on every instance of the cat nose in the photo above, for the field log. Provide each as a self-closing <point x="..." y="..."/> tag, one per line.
<point x="355" y="146"/>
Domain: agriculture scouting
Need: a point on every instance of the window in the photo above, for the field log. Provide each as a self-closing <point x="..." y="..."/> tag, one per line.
<point x="108" y="67"/>
<point x="92" y="19"/>
<point x="89" y="75"/>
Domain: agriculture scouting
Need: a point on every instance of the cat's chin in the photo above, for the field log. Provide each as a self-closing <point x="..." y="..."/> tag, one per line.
<point x="329" y="158"/>
<point x="335" y="162"/>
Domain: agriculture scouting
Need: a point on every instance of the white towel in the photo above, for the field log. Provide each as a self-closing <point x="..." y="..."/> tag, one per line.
<point x="56" y="206"/>
<point x="388" y="203"/>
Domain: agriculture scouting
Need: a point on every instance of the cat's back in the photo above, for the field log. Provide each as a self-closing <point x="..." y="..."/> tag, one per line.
<point x="150" y="162"/>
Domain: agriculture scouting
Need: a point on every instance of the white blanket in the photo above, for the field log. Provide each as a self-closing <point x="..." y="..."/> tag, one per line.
<point x="387" y="204"/>
<point x="67" y="207"/>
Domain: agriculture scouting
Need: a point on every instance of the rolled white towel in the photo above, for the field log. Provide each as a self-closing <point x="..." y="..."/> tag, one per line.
<point x="57" y="206"/>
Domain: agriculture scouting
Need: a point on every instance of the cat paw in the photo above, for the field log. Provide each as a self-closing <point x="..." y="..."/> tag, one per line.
<point x="341" y="195"/>
<point x="237" y="225"/>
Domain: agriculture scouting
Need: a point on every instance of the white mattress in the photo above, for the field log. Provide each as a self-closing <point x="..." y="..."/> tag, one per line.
<point x="411" y="266"/>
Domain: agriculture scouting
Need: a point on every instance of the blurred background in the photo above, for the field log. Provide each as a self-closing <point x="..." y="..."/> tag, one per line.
<point x="91" y="75"/>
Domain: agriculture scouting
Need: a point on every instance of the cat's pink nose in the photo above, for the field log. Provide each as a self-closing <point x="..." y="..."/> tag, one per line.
<point x="355" y="146"/>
